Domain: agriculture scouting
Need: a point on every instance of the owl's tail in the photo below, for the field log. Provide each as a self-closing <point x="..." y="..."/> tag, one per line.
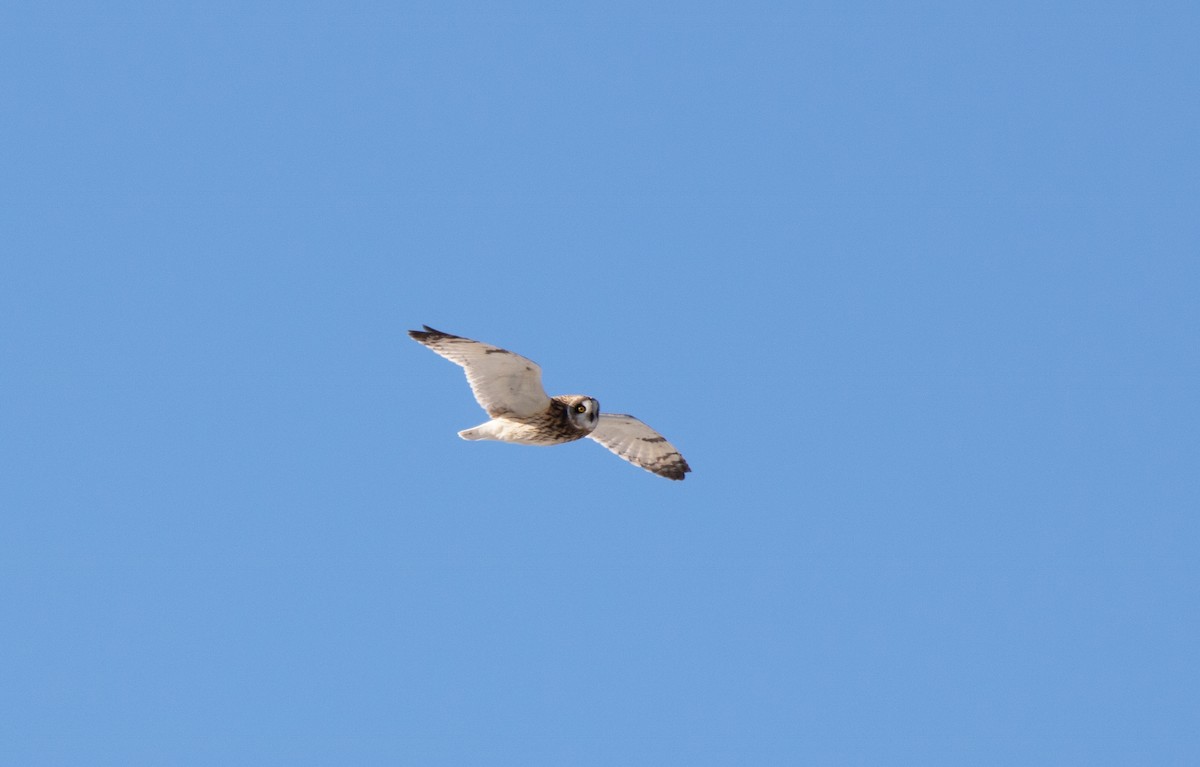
<point x="482" y="431"/>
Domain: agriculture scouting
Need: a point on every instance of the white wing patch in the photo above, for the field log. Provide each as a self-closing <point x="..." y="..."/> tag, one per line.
<point x="639" y="444"/>
<point x="503" y="383"/>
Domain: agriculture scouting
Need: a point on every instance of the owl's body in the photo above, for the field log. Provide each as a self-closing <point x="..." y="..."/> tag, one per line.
<point x="557" y="424"/>
<point x="509" y="388"/>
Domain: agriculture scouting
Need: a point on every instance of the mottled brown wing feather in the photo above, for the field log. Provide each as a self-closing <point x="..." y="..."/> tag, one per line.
<point x="639" y="444"/>
<point x="503" y="383"/>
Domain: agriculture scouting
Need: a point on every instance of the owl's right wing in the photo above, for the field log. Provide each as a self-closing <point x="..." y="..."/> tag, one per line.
<point x="503" y="383"/>
<point x="639" y="444"/>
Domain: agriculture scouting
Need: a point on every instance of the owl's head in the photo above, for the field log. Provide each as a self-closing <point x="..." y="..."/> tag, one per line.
<point x="582" y="412"/>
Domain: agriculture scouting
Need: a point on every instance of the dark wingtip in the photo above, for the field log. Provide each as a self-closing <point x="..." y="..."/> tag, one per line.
<point x="677" y="472"/>
<point x="427" y="334"/>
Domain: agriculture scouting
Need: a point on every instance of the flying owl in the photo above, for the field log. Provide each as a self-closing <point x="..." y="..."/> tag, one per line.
<point x="509" y="388"/>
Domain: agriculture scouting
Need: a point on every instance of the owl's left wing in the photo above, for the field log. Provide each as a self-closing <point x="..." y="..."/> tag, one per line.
<point x="503" y="383"/>
<point x="639" y="444"/>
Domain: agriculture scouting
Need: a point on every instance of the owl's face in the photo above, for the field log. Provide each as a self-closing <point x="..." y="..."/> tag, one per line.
<point x="583" y="412"/>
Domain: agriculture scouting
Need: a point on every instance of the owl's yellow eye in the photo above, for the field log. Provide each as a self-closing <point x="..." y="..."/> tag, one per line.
<point x="580" y="409"/>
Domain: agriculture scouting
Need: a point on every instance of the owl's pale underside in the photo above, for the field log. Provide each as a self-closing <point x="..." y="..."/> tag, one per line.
<point x="509" y="388"/>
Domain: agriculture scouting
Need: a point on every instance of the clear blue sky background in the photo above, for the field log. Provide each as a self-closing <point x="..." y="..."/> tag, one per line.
<point x="913" y="286"/>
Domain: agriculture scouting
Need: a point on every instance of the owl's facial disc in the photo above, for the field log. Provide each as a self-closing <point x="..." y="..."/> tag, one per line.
<point x="584" y="413"/>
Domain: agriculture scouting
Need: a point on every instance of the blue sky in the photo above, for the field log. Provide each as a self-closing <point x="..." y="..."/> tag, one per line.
<point x="913" y="286"/>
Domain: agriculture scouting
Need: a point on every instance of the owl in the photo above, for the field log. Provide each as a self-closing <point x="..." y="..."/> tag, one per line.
<point x="509" y="388"/>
